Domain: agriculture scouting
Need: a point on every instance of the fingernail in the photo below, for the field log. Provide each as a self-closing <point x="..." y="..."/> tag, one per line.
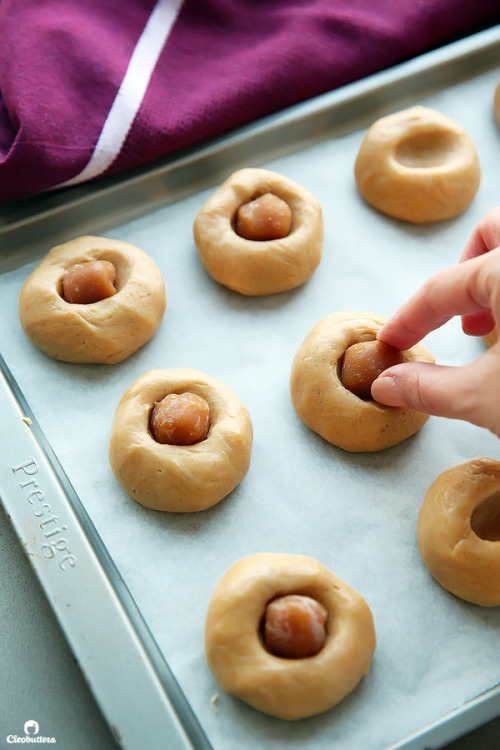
<point x="385" y="390"/>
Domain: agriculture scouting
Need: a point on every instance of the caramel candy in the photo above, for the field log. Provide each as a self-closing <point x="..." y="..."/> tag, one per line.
<point x="294" y="626"/>
<point x="265" y="218"/>
<point x="90" y="281"/>
<point x="363" y="363"/>
<point x="180" y="419"/>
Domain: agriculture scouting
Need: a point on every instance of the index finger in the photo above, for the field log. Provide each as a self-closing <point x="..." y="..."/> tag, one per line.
<point x="465" y="289"/>
<point x="485" y="237"/>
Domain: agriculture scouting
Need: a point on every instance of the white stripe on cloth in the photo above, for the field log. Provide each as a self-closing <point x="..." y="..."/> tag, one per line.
<point x="132" y="90"/>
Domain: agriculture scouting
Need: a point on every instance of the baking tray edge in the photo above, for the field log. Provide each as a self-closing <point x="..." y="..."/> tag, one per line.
<point x="109" y="638"/>
<point x="103" y="203"/>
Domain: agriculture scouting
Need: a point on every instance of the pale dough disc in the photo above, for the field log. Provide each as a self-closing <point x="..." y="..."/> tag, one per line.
<point x="252" y="267"/>
<point x="287" y="688"/>
<point x="102" y="332"/>
<point x="327" y="407"/>
<point x="459" y="559"/>
<point x="182" y="478"/>
<point x="417" y="165"/>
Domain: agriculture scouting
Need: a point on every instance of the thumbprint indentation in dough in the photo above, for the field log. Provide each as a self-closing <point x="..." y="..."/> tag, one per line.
<point x="485" y="519"/>
<point x="435" y="148"/>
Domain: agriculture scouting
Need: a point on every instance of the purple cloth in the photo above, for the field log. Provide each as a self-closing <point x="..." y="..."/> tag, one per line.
<point x="219" y="64"/>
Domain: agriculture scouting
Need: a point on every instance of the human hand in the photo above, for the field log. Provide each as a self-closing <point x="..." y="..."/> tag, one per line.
<point x="470" y="289"/>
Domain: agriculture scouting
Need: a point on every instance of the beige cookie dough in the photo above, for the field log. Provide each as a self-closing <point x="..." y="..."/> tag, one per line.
<point x="417" y="165"/>
<point x="181" y="478"/>
<point x="259" y="267"/>
<point x="496" y="104"/>
<point x="491" y="337"/>
<point x="284" y="687"/>
<point x="327" y="407"/>
<point x="107" y="331"/>
<point x="458" y="531"/>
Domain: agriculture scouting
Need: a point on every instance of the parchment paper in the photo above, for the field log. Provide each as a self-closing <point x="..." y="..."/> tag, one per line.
<point x="355" y="513"/>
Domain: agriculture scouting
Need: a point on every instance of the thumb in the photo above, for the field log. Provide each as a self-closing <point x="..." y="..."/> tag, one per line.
<point x="471" y="393"/>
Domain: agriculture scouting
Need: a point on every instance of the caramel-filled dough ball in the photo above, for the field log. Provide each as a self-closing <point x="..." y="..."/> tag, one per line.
<point x="180" y="476"/>
<point x="105" y="330"/>
<point x="286" y="686"/>
<point x="458" y="531"/>
<point x="268" y="258"/>
<point x="418" y="166"/>
<point x="323" y="402"/>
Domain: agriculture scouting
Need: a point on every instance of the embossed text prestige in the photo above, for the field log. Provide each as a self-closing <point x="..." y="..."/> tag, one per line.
<point x="55" y="545"/>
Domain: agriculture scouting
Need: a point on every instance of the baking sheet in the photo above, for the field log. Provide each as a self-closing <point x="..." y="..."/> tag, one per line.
<point x="354" y="513"/>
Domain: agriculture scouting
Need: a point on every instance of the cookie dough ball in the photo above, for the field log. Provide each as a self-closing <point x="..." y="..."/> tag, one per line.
<point x="491" y="337"/>
<point x="92" y="300"/>
<point x="260" y="233"/>
<point x="496" y="103"/>
<point x="417" y="165"/>
<point x="458" y="531"/>
<point x="287" y="686"/>
<point x="322" y="401"/>
<point x="184" y="457"/>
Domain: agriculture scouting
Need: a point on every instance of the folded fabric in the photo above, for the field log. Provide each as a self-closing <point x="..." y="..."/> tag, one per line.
<point x="93" y="87"/>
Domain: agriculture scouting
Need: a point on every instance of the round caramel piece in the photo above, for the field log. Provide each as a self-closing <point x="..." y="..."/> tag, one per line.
<point x="294" y="626"/>
<point x="362" y="363"/>
<point x="458" y="531"/>
<point x="88" y="282"/>
<point x="265" y="218"/>
<point x="417" y="165"/>
<point x="180" y="419"/>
